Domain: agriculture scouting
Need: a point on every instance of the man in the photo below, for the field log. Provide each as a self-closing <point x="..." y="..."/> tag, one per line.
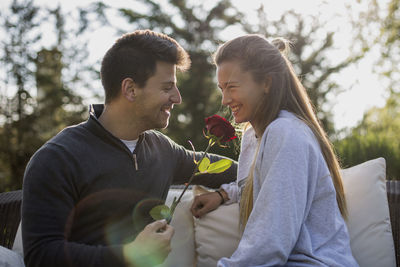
<point x="88" y="191"/>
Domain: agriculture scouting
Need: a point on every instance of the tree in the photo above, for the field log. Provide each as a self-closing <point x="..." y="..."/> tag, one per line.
<point x="377" y="135"/>
<point x="391" y="46"/>
<point x="311" y="55"/>
<point x="378" y="27"/>
<point x="391" y="26"/>
<point x="16" y="100"/>
<point x="35" y="100"/>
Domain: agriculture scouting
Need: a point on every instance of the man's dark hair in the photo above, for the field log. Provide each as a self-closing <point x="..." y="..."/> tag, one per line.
<point x="134" y="56"/>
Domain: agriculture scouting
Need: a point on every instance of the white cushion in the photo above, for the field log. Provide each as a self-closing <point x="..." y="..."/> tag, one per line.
<point x="369" y="226"/>
<point x="182" y="244"/>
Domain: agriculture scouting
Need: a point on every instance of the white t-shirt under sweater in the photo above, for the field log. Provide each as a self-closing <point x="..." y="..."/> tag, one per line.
<point x="295" y="219"/>
<point x="131" y="144"/>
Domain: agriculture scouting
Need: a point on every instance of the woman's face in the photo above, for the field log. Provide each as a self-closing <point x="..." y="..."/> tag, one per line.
<point x="239" y="91"/>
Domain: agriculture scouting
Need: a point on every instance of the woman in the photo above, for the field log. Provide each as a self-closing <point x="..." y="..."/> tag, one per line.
<point x="292" y="205"/>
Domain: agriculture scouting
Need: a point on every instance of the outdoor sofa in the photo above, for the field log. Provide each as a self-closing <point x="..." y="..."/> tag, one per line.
<point x="373" y="223"/>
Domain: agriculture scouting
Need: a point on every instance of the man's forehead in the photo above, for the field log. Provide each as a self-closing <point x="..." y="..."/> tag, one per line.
<point x="165" y="73"/>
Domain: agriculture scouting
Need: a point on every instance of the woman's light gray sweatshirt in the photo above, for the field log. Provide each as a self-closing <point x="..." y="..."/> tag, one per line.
<point x="295" y="219"/>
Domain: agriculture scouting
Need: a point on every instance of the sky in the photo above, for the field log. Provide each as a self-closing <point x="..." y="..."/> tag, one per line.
<point x="362" y="89"/>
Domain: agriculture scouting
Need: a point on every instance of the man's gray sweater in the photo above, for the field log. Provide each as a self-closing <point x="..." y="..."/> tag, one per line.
<point x="85" y="193"/>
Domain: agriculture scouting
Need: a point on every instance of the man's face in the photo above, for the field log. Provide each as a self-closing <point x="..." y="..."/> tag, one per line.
<point x="156" y="100"/>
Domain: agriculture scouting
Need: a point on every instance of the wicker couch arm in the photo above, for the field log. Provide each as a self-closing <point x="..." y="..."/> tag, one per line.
<point x="393" y="193"/>
<point x="10" y="216"/>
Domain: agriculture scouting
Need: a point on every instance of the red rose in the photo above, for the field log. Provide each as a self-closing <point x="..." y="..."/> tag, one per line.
<point x="220" y="127"/>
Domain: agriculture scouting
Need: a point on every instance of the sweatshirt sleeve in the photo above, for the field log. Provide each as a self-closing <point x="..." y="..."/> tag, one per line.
<point x="47" y="206"/>
<point x="285" y="165"/>
<point x="233" y="192"/>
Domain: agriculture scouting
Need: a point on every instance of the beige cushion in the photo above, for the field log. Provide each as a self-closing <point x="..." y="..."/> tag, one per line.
<point x="182" y="244"/>
<point x="369" y="222"/>
<point x="217" y="235"/>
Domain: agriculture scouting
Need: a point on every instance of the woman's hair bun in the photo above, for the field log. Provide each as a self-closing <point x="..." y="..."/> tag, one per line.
<point x="282" y="45"/>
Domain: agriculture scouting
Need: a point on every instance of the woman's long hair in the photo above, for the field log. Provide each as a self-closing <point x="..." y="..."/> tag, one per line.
<point x="268" y="61"/>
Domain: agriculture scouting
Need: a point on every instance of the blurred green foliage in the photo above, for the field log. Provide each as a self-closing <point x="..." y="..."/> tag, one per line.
<point x="36" y="97"/>
<point x="41" y="87"/>
<point x="377" y="135"/>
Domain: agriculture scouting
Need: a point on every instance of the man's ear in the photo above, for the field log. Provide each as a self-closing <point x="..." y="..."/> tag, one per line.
<point x="128" y="89"/>
<point x="267" y="84"/>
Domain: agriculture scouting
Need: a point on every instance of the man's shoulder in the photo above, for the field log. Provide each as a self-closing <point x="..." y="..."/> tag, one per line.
<point x="160" y="142"/>
<point x="66" y="139"/>
<point x="69" y="134"/>
<point x="67" y="142"/>
<point x="157" y="136"/>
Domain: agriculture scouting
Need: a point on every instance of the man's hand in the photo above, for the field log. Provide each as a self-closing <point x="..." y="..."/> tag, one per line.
<point x="151" y="246"/>
<point x="205" y="203"/>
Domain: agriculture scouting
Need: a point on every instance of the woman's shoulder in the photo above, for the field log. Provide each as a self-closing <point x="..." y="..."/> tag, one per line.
<point x="249" y="138"/>
<point x="287" y="122"/>
<point x="287" y="126"/>
<point x="249" y="134"/>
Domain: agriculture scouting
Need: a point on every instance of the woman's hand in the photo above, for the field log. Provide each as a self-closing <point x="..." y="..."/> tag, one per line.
<point x="207" y="202"/>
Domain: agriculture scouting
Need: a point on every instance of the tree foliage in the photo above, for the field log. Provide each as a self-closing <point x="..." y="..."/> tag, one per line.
<point x="37" y="88"/>
<point x="391" y="33"/>
<point x="391" y="24"/>
<point x="377" y="135"/>
<point x="312" y="48"/>
<point x="378" y="26"/>
<point x="35" y="101"/>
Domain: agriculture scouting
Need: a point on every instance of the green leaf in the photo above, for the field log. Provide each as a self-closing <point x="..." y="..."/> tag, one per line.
<point x="219" y="166"/>
<point x="203" y="165"/>
<point x="173" y="206"/>
<point x="160" y="212"/>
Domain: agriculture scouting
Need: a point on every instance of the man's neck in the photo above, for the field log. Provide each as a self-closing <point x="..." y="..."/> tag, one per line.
<point x="118" y="123"/>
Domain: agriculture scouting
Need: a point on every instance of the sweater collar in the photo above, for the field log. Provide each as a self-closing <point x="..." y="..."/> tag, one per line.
<point x="93" y="124"/>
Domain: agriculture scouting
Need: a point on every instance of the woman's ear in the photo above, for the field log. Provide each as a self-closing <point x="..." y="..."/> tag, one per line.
<point x="128" y="89"/>
<point x="267" y="84"/>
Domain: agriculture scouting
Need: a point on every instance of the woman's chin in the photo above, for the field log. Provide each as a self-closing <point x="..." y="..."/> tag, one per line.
<point x="239" y="120"/>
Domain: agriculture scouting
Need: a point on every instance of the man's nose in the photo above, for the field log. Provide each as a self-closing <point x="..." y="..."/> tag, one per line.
<point x="176" y="97"/>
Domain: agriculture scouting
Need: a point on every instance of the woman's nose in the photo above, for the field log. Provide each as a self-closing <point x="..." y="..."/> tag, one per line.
<point x="226" y="98"/>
